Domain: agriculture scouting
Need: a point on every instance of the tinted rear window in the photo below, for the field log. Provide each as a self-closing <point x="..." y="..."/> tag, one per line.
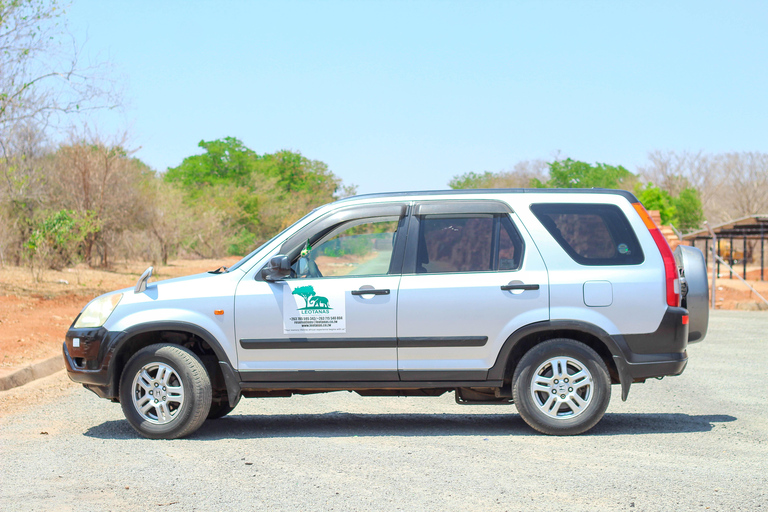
<point x="468" y="243"/>
<point x="591" y="234"/>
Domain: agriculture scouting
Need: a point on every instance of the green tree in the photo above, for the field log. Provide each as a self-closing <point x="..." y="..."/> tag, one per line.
<point x="654" y="198"/>
<point x="58" y="238"/>
<point x="225" y="161"/>
<point x="684" y="211"/>
<point x="472" y="180"/>
<point x="575" y="174"/>
<point x="258" y="195"/>
<point x="296" y="173"/>
<point x="305" y="292"/>
<point x="690" y="214"/>
<point x="519" y="176"/>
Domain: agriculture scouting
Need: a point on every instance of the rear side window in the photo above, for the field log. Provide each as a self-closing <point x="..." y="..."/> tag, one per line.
<point x="591" y="234"/>
<point x="467" y="243"/>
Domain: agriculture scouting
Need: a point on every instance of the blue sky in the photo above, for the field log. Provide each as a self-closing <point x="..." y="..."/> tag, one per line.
<point x="405" y="95"/>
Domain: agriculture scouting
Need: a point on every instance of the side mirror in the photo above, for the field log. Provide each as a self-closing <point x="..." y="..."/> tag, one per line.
<point x="279" y="267"/>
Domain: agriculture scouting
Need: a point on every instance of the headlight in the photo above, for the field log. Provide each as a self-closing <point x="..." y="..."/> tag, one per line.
<point x="97" y="312"/>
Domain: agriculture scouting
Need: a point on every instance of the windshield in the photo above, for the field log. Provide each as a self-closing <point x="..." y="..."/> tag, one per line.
<point x="259" y="248"/>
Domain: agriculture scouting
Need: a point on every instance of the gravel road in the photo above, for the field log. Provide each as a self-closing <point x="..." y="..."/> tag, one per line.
<point x="694" y="442"/>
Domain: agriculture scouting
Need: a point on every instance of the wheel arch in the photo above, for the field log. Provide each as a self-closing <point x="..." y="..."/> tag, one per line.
<point x="525" y="338"/>
<point x="185" y="334"/>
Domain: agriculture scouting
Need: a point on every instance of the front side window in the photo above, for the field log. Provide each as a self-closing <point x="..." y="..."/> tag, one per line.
<point x="467" y="243"/>
<point x="355" y="248"/>
<point x="591" y="234"/>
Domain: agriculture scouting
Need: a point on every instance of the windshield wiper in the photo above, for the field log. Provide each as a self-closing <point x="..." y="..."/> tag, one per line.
<point x="221" y="270"/>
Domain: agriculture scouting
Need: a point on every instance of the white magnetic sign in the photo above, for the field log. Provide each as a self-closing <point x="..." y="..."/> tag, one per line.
<point x="309" y="309"/>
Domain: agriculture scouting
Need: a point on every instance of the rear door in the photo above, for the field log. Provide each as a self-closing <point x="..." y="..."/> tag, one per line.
<point x="471" y="277"/>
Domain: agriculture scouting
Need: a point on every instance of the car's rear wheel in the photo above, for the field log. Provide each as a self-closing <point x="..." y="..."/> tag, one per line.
<point x="165" y="392"/>
<point x="561" y="387"/>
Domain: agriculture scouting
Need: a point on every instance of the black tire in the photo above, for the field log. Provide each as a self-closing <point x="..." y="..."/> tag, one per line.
<point x="179" y="386"/>
<point x="221" y="409"/>
<point x="569" y="405"/>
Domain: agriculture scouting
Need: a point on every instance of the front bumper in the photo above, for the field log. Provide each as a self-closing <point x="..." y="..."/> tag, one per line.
<point x="87" y="354"/>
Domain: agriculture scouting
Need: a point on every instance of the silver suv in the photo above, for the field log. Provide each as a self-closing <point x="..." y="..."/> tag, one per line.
<point x="541" y="298"/>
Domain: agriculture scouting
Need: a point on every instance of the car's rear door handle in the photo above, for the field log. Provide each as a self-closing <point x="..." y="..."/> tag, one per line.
<point x="520" y="287"/>
<point x="370" y="291"/>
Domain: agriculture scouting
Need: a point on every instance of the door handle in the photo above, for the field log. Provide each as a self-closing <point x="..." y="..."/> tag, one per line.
<point x="507" y="287"/>
<point x="370" y="291"/>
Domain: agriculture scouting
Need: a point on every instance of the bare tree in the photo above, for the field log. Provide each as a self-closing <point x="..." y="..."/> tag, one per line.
<point x="671" y="171"/>
<point x="41" y="77"/>
<point x="22" y="186"/>
<point x="170" y="219"/>
<point x="746" y="187"/>
<point x="7" y="237"/>
<point x="40" y="70"/>
<point x="731" y="185"/>
<point x="90" y="175"/>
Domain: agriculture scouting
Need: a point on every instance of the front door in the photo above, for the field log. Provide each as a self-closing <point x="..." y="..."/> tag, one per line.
<point x="335" y="318"/>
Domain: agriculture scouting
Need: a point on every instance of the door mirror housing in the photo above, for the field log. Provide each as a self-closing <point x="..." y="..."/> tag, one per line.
<point x="278" y="268"/>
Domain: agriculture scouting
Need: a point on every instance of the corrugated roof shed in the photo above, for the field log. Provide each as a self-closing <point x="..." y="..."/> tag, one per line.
<point x="753" y="226"/>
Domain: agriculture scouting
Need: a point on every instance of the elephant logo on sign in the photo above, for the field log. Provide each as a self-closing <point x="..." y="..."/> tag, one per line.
<point x="319" y="302"/>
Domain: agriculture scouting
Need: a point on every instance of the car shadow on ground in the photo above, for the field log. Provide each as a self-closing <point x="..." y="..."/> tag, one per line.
<point x="343" y="424"/>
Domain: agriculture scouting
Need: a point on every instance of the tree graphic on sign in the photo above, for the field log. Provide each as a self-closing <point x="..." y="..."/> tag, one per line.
<point x="308" y="294"/>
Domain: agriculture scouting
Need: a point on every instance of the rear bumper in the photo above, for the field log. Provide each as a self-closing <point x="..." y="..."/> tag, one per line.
<point x="660" y="353"/>
<point x="671" y="337"/>
<point x="657" y="368"/>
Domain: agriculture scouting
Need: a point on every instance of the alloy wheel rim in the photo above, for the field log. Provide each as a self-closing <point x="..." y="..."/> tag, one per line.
<point x="158" y="393"/>
<point x="562" y="387"/>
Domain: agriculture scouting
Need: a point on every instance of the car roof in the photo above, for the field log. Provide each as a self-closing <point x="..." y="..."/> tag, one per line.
<point x="628" y="195"/>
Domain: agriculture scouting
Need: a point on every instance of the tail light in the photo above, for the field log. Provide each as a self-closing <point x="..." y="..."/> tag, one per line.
<point x="670" y="267"/>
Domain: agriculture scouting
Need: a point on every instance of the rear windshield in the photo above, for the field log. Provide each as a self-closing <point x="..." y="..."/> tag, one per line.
<point x="591" y="234"/>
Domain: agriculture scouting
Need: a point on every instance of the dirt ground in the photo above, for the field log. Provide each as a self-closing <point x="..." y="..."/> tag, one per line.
<point x="733" y="294"/>
<point x="35" y="316"/>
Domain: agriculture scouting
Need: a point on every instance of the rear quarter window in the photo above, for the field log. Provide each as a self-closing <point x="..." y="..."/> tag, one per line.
<point x="591" y="234"/>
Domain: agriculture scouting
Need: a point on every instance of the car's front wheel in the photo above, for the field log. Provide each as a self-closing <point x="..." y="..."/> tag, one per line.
<point x="165" y="392"/>
<point x="561" y="387"/>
